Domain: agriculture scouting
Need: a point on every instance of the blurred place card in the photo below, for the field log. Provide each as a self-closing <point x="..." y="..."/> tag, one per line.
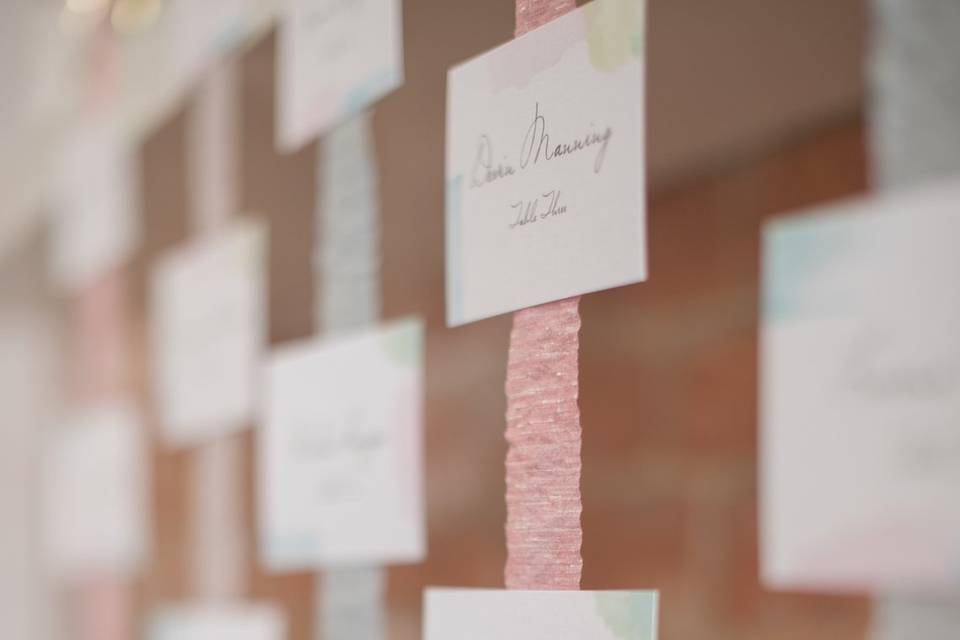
<point x="96" y="519"/>
<point x="206" y="30"/>
<point x="545" y="164"/>
<point x="96" y="213"/>
<point x="482" y="614"/>
<point x="860" y="395"/>
<point x="341" y="462"/>
<point x="209" y="327"/>
<point x="234" y="622"/>
<point x="335" y="58"/>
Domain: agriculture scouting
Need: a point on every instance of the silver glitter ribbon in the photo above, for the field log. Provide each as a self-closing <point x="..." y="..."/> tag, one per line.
<point x="915" y="113"/>
<point x="350" y="600"/>
<point x="916" y="619"/>
<point x="915" y="135"/>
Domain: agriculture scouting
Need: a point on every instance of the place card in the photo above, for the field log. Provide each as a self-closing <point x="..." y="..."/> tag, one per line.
<point x="220" y="622"/>
<point x="204" y="32"/>
<point x="545" y="164"/>
<point x="481" y="614"/>
<point x="96" y="209"/>
<point x="96" y="520"/>
<point x="860" y="395"/>
<point x="209" y="327"/>
<point x="340" y="451"/>
<point x="335" y="58"/>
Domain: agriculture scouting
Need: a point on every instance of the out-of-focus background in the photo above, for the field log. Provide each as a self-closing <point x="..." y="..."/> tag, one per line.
<point x="755" y="107"/>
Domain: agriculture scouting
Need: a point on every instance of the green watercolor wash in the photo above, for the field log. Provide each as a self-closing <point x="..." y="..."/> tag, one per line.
<point x="628" y="614"/>
<point x="617" y="32"/>
<point x="402" y="343"/>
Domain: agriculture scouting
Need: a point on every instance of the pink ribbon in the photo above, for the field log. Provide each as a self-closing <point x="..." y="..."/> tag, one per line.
<point x="106" y="610"/>
<point x="543" y="422"/>
<point x="543" y="456"/>
<point x="535" y="13"/>
<point x="101" y="338"/>
<point x="102" y="358"/>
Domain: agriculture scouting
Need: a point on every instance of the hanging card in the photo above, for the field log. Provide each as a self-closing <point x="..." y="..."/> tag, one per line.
<point x="545" y="164"/>
<point x="209" y="328"/>
<point x="481" y="614"/>
<point x="96" y="212"/>
<point x="340" y="451"/>
<point x="335" y="58"/>
<point x="233" y="622"/>
<point x="204" y="31"/>
<point x="860" y="395"/>
<point x="96" y="519"/>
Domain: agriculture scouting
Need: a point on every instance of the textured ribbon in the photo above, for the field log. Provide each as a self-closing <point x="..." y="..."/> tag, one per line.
<point x="218" y="562"/>
<point x="101" y="338"/>
<point x="543" y="423"/>
<point x="912" y="618"/>
<point x="915" y="132"/>
<point x="351" y="604"/>
<point x="350" y="600"/>
<point x="347" y="259"/>
<point x="915" y="114"/>
<point x="535" y="13"/>
<point x="104" y="605"/>
<point x="213" y="150"/>
<point x="106" y="610"/>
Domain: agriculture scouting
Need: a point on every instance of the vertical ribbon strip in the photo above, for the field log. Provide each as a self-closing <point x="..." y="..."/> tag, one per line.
<point x="543" y="422"/>
<point x="104" y="605"/>
<point x="218" y="561"/>
<point x="350" y="604"/>
<point x="536" y="13"/>
<point x="212" y="150"/>
<point x="347" y="260"/>
<point x="915" y="134"/>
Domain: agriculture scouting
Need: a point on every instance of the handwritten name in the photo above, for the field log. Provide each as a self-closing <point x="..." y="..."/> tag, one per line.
<point x="536" y="147"/>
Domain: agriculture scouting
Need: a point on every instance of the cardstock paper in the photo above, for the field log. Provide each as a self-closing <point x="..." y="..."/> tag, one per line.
<point x="96" y="214"/>
<point x="481" y="614"/>
<point x="239" y="622"/>
<point x="545" y="164"/>
<point x="209" y="317"/>
<point x="205" y="31"/>
<point x="335" y="58"/>
<point x="860" y="395"/>
<point x="341" y="464"/>
<point x="96" y="494"/>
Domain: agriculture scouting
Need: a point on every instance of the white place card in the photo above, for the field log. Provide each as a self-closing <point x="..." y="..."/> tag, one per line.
<point x="340" y="451"/>
<point x="545" y="164"/>
<point x="335" y="58"/>
<point x="209" y="328"/>
<point x="860" y="395"/>
<point x="96" y="213"/>
<point x="233" y="622"/>
<point x="96" y="516"/>
<point x="481" y="614"/>
<point x="203" y="32"/>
